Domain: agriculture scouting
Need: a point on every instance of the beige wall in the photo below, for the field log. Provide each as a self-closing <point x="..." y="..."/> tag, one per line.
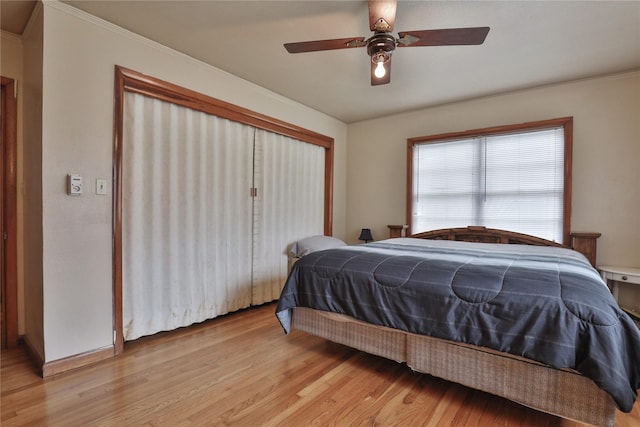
<point x="32" y="190"/>
<point x="606" y="150"/>
<point x="80" y="53"/>
<point x="68" y="281"/>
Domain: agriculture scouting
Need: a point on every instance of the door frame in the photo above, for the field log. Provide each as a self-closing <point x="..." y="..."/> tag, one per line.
<point x="9" y="256"/>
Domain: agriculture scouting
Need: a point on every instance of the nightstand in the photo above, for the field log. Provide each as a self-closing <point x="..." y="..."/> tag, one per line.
<point x="616" y="275"/>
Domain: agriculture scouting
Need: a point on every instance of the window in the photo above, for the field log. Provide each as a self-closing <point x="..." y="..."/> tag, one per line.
<point x="516" y="178"/>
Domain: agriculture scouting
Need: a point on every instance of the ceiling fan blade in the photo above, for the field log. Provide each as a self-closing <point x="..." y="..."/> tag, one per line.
<point x="448" y="37"/>
<point x="375" y="81"/>
<point x="382" y="15"/>
<point x="316" y="45"/>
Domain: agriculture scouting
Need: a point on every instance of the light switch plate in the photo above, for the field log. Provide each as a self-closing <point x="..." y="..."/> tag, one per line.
<point x="101" y="187"/>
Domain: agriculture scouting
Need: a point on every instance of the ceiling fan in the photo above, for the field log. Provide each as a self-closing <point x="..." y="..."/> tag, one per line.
<point x="380" y="46"/>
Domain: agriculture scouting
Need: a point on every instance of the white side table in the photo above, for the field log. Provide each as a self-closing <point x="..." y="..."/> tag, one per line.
<point x="613" y="276"/>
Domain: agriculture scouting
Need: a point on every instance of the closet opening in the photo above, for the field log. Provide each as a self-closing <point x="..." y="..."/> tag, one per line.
<point x="209" y="183"/>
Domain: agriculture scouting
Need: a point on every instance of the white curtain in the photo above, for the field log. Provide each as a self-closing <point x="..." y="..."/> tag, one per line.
<point x="186" y="220"/>
<point x="195" y="243"/>
<point x="289" y="176"/>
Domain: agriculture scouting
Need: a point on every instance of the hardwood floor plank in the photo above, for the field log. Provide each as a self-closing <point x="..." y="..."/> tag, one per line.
<point x="242" y="370"/>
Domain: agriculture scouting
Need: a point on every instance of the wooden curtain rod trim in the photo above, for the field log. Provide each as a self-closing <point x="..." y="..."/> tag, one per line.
<point x="137" y="82"/>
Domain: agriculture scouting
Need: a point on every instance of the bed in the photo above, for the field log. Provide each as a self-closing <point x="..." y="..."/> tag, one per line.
<point x="532" y="322"/>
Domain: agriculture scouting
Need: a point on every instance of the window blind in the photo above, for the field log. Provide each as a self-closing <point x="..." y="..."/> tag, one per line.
<point x="513" y="181"/>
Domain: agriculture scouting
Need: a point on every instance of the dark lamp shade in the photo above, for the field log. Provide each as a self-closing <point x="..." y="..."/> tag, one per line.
<point x="365" y="235"/>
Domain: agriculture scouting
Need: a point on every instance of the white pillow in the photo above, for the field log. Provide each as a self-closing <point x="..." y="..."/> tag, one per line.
<point x="313" y="244"/>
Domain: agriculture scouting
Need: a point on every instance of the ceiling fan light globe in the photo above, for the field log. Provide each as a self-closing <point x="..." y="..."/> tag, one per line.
<point x="380" y="71"/>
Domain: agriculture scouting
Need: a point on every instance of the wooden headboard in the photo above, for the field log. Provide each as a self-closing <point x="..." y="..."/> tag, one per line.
<point x="582" y="242"/>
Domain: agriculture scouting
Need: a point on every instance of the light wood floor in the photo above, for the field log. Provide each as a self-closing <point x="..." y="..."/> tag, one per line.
<point x="242" y="370"/>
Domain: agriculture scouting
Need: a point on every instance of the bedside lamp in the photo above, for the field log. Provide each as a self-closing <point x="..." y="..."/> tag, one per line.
<point x="365" y="235"/>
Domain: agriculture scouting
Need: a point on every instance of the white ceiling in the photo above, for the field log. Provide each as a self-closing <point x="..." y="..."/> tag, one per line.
<point x="531" y="43"/>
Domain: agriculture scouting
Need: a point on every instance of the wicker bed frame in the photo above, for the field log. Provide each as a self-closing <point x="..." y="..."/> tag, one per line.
<point x="564" y="393"/>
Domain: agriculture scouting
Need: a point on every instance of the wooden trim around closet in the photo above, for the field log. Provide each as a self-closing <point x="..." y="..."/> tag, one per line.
<point x="133" y="81"/>
<point x="118" y="337"/>
<point x="136" y="82"/>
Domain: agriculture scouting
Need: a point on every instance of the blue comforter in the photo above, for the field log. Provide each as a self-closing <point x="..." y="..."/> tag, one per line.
<point x="546" y="304"/>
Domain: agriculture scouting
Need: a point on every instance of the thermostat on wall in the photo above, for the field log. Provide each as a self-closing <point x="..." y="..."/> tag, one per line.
<point x="74" y="184"/>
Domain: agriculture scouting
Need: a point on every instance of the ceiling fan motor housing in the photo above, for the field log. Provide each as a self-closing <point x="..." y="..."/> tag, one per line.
<point x="381" y="45"/>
